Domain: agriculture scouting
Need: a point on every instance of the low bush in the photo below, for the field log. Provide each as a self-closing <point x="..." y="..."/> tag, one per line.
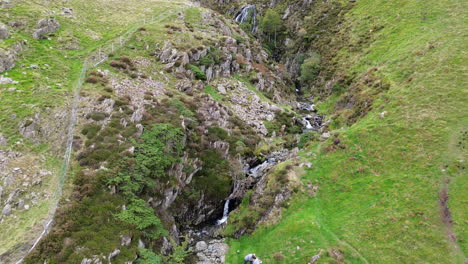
<point x="90" y="130"/>
<point x="199" y="74"/>
<point x="97" y="116"/>
<point x="118" y="64"/>
<point x="311" y="67"/>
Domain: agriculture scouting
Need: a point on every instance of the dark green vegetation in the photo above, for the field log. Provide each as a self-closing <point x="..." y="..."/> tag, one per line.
<point x="133" y="176"/>
<point x="273" y="27"/>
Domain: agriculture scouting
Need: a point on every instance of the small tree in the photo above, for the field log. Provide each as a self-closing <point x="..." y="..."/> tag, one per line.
<point x="272" y="25"/>
<point x="310" y="68"/>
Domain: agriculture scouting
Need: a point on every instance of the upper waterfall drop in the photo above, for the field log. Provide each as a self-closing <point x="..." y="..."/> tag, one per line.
<point x="246" y="12"/>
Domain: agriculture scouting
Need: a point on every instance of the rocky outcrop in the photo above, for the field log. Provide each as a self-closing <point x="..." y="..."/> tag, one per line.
<point x="8" y="57"/>
<point x="4" y="32"/>
<point x="211" y="252"/>
<point x="6" y="4"/>
<point x="6" y="80"/>
<point x="20" y="183"/>
<point x="232" y="54"/>
<point x="46" y="26"/>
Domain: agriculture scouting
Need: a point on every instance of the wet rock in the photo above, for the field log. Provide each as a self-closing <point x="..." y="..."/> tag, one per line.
<point x="4" y="32"/>
<point x="45" y="26"/>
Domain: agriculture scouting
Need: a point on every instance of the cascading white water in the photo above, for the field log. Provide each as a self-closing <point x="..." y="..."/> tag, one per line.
<point x="244" y="14"/>
<point x="225" y="214"/>
<point x="308" y="125"/>
<point x="259" y="168"/>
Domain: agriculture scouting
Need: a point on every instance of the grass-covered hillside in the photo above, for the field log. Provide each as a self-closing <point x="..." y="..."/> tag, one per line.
<point x="378" y="186"/>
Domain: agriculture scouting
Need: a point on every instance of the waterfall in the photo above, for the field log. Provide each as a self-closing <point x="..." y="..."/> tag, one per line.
<point x="243" y="16"/>
<point x="225" y="214"/>
<point x="308" y="125"/>
<point x="255" y="171"/>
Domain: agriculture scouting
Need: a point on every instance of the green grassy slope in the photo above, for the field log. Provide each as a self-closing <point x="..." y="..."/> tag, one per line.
<point x="91" y="25"/>
<point x="378" y="198"/>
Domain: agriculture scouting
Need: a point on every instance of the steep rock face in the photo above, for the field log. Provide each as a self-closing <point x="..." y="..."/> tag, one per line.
<point x="234" y="53"/>
<point x="312" y="27"/>
<point x="45" y="26"/>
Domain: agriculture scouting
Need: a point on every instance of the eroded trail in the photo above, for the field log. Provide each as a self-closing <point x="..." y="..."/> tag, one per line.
<point x="446" y="217"/>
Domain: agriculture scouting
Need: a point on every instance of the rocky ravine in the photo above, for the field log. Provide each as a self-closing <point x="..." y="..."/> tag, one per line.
<point x="222" y="91"/>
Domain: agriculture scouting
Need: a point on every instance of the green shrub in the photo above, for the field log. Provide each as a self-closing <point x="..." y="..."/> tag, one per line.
<point x="98" y="116"/>
<point x="306" y="138"/>
<point x="90" y="130"/>
<point x="199" y="74"/>
<point x="92" y="79"/>
<point x="160" y="148"/>
<point x="214" y="178"/>
<point x="206" y="61"/>
<point x="217" y="133"/>
<point x="278" y="256"/>
<point x="180" y="254"/>
<point x="143" y="218"/>
<point x="146" y="256"/>
<point x="311" y="67"/>
<point x="118" y="64"/>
